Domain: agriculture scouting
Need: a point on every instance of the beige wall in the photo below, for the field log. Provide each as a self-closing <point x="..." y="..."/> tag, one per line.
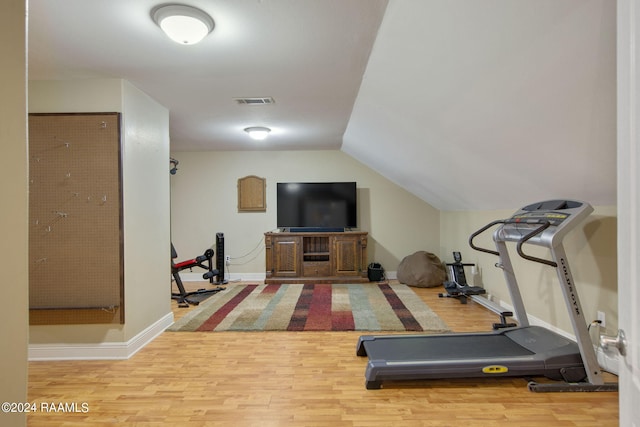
<point x="75" y="96"/>
<point x="147" y="270"/>
<point x="204" y="201"/>
<point x="592" y="255"/>
<point x="14" y="330"/>
<point x="145" y="153"/>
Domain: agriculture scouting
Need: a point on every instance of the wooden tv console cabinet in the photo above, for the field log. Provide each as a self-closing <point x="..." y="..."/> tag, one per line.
<point x="316" y="257"/>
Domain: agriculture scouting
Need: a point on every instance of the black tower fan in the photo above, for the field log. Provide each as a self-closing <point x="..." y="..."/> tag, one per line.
<point x="220" y="258"/>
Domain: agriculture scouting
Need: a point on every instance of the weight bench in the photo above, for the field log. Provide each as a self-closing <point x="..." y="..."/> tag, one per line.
<point x="204" y="261"/>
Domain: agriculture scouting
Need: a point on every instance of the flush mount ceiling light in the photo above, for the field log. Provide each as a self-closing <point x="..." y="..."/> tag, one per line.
<point x="183" y="24"/>
<point x="258" y="132"/>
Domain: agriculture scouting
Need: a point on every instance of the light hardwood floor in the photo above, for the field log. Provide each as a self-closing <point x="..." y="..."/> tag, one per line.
<point x="294" y="379"/>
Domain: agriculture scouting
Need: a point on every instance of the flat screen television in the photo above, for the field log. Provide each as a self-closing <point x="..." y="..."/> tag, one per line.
<point x="322" y="206"/>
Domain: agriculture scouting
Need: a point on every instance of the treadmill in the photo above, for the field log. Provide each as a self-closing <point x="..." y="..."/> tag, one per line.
<point x="522" y="351"/>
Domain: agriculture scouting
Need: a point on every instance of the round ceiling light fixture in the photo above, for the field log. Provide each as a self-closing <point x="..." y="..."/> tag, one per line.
<point x="183" y="24"/>
<point x="258" y="132"/>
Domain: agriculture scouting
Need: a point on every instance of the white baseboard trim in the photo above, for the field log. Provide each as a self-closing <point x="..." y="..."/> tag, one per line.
<point x="100" y="351"/>
<point x="607" y="361"/>
<point x="189" y="276"/>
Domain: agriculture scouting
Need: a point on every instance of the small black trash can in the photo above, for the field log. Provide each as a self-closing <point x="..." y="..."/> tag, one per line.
<point x="375" y="272"/>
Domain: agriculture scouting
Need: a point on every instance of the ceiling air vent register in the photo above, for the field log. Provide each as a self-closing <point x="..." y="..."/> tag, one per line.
<point x="255" y="101"/>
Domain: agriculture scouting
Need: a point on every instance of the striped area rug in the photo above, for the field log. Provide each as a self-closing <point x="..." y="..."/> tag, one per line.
<point x="309" y="307"/>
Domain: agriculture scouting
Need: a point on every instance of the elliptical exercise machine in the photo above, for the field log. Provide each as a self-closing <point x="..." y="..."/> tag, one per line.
<point x="457" y="287"/>
<point x="523" y="351"/>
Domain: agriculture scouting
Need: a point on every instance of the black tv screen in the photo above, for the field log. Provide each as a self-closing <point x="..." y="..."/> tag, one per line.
<point x="317" y="205"/>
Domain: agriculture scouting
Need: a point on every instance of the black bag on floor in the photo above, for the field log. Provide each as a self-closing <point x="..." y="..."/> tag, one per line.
<point x="375" y="272"/>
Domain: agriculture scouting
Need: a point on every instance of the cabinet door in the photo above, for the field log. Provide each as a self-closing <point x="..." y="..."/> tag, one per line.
<point x="286" y="259"/>
<point x="347" y="256"/>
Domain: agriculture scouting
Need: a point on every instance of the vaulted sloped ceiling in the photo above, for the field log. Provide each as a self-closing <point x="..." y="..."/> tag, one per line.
<point x="491" y="104"/>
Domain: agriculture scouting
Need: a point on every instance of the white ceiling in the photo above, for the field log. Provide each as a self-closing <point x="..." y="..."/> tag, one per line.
<point x="309" y="55"/>
<point x="469" y="104"/>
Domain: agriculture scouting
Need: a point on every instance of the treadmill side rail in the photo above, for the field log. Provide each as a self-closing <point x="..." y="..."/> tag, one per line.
<point x="360" y="348"/>
<point x="570" y="387"/>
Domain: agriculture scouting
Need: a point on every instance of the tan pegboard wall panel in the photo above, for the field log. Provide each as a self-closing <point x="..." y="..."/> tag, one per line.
<point x="75" y="237"/>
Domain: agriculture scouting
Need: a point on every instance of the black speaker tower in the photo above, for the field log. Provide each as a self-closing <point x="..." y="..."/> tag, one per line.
<point x="220" y="262"/>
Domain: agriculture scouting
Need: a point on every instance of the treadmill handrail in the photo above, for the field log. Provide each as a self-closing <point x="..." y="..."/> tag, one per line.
<point x="544" y="225"/>
<point x="482" y="230"/>
<point x="523" y="240"/>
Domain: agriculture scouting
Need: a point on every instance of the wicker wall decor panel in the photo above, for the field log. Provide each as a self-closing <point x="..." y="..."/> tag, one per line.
<point x="251" y="194"/>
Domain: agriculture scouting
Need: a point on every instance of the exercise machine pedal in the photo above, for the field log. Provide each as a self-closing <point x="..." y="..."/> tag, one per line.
<point x="503" y="321"/>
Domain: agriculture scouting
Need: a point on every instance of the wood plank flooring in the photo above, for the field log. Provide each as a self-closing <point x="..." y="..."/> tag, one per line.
<point x="294" y="379"/>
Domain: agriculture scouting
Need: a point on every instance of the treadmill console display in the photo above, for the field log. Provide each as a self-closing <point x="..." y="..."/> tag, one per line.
<point x="554" y="218"/>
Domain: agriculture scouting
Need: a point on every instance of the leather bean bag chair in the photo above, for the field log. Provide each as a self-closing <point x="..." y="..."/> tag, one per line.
<point x="422" y="269"/>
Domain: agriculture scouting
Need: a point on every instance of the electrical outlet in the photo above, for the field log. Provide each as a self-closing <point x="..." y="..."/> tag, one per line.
<point x="601" y="318"/>
<point x="227" y="259"/>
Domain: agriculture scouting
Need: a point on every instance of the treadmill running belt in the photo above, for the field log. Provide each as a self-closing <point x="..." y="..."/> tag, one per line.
<point x="443" y="348"/>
